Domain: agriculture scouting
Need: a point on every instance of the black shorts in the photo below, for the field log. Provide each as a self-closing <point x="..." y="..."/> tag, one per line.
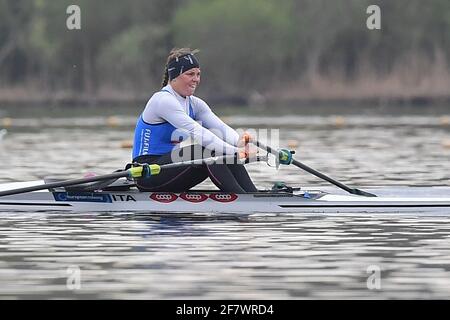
<point x="227" y="177"/>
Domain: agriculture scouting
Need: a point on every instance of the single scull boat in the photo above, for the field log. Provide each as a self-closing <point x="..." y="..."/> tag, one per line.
<point x="126" y="198"/>
<point x="111" y="193"/>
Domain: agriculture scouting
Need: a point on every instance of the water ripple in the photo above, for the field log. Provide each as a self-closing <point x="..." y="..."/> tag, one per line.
<point x="133" y="256"/>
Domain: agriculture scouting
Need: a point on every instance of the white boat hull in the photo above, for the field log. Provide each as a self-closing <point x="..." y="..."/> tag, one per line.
<point x="213" y="202"/>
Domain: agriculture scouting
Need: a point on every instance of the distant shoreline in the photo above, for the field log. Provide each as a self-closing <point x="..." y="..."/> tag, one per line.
<point x="289" y="100"/>
<point x="308" y="108"/>
<point x="37" y="99"/>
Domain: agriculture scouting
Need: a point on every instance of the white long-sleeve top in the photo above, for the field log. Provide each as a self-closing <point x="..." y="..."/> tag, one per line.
<point x="206" y="128"/>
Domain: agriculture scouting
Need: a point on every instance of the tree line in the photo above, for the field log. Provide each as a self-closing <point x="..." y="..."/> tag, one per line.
<point x="247" y="47"/>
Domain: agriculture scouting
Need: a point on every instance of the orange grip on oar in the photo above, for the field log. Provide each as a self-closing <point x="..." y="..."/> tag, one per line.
<point x="246" y="137"/>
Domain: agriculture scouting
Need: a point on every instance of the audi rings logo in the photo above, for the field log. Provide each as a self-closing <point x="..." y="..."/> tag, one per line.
<point x="223" y="197"/>
<point x="167" y="197"/>
<point x="163" y="197"/>
<point x="194" y="197"/>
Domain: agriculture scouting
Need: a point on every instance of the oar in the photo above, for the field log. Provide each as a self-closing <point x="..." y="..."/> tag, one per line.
<point x="316" y="173"/>
<point x="135" y="172"/>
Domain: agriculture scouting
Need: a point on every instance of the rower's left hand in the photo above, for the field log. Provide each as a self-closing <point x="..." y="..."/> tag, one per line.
<point x="248" y="152"/>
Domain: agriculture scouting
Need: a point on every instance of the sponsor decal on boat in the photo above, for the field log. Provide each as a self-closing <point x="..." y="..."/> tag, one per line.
<point x="82" y="197"/>
<point x="223" y="197"/>
<point x="194" y="197"/>
<point x="122" y="197"/>
<point x="164" y="197"/>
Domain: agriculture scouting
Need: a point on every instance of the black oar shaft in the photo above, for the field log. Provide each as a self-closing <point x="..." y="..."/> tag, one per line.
<point x="321" y="175"/>
<point x="64" y="183"/>
<point x="116" y="175"/>
<point x="316" y="173"/>
<point x="213" y="160"/>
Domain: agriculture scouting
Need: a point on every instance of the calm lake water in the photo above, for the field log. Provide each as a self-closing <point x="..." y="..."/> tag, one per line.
<point x="135" y="256"/>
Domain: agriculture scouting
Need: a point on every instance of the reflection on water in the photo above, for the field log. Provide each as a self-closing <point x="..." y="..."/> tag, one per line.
<point x="98" y="255"/>
<point x="144" y="257"/>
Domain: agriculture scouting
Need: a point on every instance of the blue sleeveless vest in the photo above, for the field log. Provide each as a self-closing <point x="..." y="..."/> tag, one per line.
<point x="157" y="139"/>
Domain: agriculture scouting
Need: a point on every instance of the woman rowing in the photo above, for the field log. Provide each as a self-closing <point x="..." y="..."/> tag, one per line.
<point x="174" y="113"/>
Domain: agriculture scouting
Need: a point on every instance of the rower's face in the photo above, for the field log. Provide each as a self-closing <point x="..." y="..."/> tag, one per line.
<point x="187" y="82"/>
